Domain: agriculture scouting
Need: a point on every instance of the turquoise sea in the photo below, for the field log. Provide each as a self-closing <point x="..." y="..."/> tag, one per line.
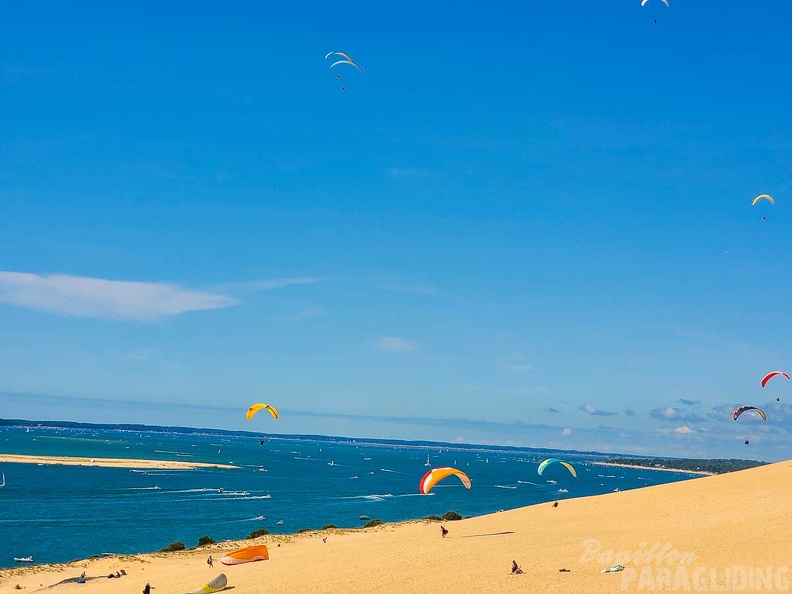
<point x="62" y="513"/>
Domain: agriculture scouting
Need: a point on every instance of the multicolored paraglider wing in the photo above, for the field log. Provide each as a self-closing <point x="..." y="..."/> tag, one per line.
<point x="767" y="197"/>
<point x="771" y="375"/>
<point x="549" y="461"/>
<point x="741" y="409"/>
<point x="342" y="54"/>
<point x="435" y="475"/>
<point x="245" y="555"/>
<point x="251" y="412"/>
<point x="351" y="63"/>
<point x="216" y="585"/>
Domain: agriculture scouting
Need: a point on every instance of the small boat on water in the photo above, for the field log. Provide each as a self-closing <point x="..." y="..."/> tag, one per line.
<point x="279" y="522"/>
<point x="363" y="517"/>
<point x="427" y="463"/>
<point x="24" y="559"/>
<point x="3" y="483"/>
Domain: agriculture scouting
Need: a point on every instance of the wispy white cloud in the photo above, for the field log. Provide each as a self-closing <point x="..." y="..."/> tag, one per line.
<point x="395" y="344"/>
<point x="259" y="286"/>
<point x="593" y="410"/>
<point x="86" y="297"/>
<point x="516" y="362"/>
<point x="684" y="429"/>
<point x="566" y="432"/>
<point x="672" y="413"/>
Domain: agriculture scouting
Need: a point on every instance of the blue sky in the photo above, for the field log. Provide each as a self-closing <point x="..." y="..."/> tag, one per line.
<point x="527" y="224"/>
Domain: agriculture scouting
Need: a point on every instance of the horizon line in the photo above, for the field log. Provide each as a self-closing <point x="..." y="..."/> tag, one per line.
<point x="6" y="422"/>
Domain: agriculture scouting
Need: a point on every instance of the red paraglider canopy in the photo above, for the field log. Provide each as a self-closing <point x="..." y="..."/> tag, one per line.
<point x="772" y="374"/>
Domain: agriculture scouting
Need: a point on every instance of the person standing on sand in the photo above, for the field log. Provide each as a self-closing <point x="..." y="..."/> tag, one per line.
<point x="443" y="531"/>
<point x="209" y="562"/>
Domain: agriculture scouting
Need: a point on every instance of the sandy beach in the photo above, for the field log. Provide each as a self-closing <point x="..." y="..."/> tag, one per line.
<point x="109" y="462"/>
<point x="639" y="467"/>
<point x="728" y="531"/>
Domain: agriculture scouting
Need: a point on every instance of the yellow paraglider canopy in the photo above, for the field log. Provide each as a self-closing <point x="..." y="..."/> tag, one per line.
<point x="216" y="585"/>
<point x="251" y="412"/>
<point x="767" y="197"/>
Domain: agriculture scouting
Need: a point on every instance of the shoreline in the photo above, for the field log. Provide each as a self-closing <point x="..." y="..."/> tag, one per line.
<point x="652" y="532"/>
<point x="638" y="466"/>
<point x="109" y="462"/>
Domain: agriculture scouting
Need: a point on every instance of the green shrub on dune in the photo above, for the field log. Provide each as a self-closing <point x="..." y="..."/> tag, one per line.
<point x="174" y="546"/>
<point x="329" y="526"/>
<point x="259" y="532"/>
<point x="451" y="516"/>
<point x="205" y="540"/>
<point x="372" y="523"/>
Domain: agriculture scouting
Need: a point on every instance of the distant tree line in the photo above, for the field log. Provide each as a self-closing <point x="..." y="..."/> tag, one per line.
<point x="714" y="465"/>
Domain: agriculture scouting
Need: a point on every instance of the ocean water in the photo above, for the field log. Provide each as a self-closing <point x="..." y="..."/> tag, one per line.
<point x="62" y="513"/>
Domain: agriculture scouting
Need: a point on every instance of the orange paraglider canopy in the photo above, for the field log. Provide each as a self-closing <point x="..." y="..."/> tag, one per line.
<point x="245" y="555"/>
<point x="434" y="476"/>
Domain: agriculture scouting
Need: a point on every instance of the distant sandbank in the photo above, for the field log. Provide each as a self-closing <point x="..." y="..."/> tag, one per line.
<point x="701" y="472"/>
<point x="109" y="462"/>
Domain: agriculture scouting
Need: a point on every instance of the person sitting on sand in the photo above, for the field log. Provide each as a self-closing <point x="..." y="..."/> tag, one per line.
<point x="555" y="504"/>
<point x="443" y="531"/>
<point x="516" y="568"/>
<point x="147" y="589"/>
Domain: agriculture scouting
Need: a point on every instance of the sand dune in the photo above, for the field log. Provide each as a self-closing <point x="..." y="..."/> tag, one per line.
<point x="109" y="462"/>
<point x="725" y="531"/>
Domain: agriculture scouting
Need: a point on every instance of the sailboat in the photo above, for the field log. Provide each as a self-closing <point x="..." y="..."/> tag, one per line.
<point x="427" y="463"/>
<point x="3" y="483"/>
